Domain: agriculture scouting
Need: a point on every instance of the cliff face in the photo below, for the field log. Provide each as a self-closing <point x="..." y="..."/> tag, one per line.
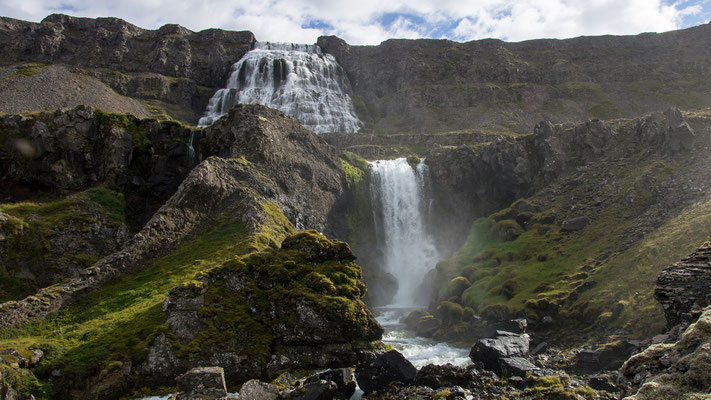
<point x="173" y="69"/>
<point x="438" y="85"/>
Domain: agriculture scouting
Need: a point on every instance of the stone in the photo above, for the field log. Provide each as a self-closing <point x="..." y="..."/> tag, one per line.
<point x="539" y="348"/>
<point x="515" y="366"/>
<point x="342" y="377"/>
<point x="603" y="382"/>
<point x="608" y="357"/>
<point x="440" y="376"/>
<point x="315" y="390"/>
<point x="489" y="351"/>
<point x="385" y="369"/>
<point x="254" y="389"/>
<point x="201" y="383"/>
<point x="574" y="224"/>
<point x="514" y="326"/>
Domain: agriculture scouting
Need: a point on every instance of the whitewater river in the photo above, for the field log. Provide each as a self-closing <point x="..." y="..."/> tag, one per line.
<point x="420" y="351"/>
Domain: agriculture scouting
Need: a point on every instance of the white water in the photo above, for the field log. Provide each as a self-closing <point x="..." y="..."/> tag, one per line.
<point x="418" y="350"/>
<point x="397" y="194"/>
<point x="297" y="79"/>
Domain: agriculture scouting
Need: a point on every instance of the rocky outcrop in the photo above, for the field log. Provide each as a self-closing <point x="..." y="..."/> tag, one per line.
<point x="437" y="85"/>
<point x="491" y="352"/>
<point x="112" y="43"/>
<point x="684" y="288"/>
<point x="474" y="181"/>
<point x="674" y="370"/>
<point x="297" y="307"/>
<point x="254" y="156"/>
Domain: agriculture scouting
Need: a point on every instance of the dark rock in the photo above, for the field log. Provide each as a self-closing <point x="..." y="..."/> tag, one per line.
<point x="422" y="323"/>
<point x="608" y="357"/>
<point x="515" y="366"/>
<point x="201" y="383"/>
<point x="574" y="224"/>
<point x="539" y="348"/>
<point x="603" y="382"/>
<point x="385" y="369"/>
<point x="439" y="376"/>
<point x="684" y="288"/>
<point x="489" y="351"/>
<point x="342" y="377"/>
<point x="315" y="390"/>
<point x="514" y="326"/>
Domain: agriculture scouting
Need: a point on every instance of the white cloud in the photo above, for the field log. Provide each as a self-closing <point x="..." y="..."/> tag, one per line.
<point x="361" y="21"/>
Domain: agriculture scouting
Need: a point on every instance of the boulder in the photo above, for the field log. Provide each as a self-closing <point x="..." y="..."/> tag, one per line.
<point x="514" y="326"/>
<point x="607" y="358"/>
<point x="506" y="344"/>
<point x="316" y="390"/>
<point x="342" y="377"/>
<point x="201" y="383"/>
<point x="515" y="366"/>
<point x="257" y="390"/>
<point x="385" y="369"/>
<point x="439" y="376"/>
<point x="574" y="224"/>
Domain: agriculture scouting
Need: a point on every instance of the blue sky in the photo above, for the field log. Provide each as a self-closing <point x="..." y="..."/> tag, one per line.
<point x="372" y="21"/>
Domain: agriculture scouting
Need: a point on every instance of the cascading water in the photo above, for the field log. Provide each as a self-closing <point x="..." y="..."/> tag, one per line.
<point x="397" y="191"/>
<point x="299" y="80"/>
<point x="400" y="209"/>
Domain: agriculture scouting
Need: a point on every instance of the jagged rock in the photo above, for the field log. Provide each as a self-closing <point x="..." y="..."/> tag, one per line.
<point x="515" y="366"/>
<point x="489" y="351"/>
<point x="255" y="390"/>
<point x="342" y="377"/>
<point x="609" y="357"/>
<point x="684" y="288"/>
<point x="574" y="224"/>
<point x="383" y="370"/>
<point x="201" y="384"/>
<point x="674" y="370"/>
<point x="439" y="376"/>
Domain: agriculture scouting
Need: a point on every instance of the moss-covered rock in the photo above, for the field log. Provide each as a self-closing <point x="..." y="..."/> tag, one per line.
<point x="269" y="312"/>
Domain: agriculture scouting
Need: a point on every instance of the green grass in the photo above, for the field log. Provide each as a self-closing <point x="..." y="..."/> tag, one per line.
<point x="117" y="321"/>
<point x="29" y="69"/>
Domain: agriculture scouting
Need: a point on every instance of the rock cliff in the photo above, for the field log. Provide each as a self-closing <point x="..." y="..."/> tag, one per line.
<point x="429" y="85"/>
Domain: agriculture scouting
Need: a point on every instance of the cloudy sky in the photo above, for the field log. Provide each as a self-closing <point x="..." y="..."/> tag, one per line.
<point x="372" y="21"/>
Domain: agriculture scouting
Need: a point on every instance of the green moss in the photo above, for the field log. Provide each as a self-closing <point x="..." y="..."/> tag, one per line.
<point x="29" y="69"/>
<point x="116" y="322"/>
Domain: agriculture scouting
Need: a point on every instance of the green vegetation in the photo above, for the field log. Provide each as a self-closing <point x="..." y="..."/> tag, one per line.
<point x="34" y="231"/>
<point x="519" y="259"/>
<point x="29" y="69"/>
<point x="118" y="321"/>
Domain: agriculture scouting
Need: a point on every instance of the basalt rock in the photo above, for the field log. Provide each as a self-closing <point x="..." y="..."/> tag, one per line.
<point x="505" y="345"/>
<point x="202" y="383"/>
<point x="385" y="369"/>
<point x="684" y="288"/>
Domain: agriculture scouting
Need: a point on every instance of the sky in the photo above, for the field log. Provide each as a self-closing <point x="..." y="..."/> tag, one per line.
<point x="373" y="21"/>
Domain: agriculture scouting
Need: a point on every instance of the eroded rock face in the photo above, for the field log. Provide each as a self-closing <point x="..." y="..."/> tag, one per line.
<point x="115" y="44"/>
<point x="684" y="288"/>
<point x="282" y="309"/>
<point x="674" y="370"/>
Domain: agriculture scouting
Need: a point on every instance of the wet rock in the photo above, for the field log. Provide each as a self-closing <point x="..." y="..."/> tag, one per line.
<point x="575" y="224"/>
<point x="422" y="323"/>
<point x="489" y="351"/>
<point x="201" y="383"/>
<point x="603" y="382"/>
<point x="438" y="376"/>
<point x="256" y="390"/>
<point x="383" y="370"/>
<point x="515" y="366"/>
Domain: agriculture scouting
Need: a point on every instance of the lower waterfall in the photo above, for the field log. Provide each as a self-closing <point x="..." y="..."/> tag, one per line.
<point x="397" y="191"/>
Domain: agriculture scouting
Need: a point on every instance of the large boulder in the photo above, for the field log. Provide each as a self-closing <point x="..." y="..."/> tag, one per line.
<point x="385" y="369"/>
<point x="505" y="345"/>
<point x="608" y="357"/>
<point x="201" y="383"/>
<point x="440" y="376"/>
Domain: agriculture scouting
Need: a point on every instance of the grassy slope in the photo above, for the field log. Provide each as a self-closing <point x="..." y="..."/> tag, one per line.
<point x="116" y="322"/>
<point x="38" y="223"/>
<point x="602" y="276"/>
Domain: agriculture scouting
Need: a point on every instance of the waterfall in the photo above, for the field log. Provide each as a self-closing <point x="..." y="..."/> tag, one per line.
<point x="409" y="252"/>
<point x="298" y="79"/>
